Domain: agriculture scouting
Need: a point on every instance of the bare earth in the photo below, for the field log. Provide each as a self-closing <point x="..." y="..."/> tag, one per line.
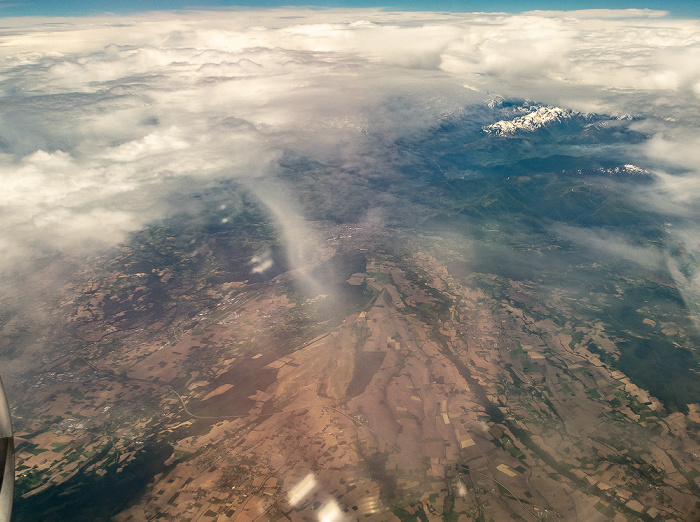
<point x="486" y="413"/>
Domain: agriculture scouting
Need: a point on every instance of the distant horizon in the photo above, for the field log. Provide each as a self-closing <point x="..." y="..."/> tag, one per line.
<point x="61" y="8"/>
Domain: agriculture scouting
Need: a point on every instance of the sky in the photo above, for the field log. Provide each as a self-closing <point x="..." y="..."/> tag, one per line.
<point x="82" y="7"/>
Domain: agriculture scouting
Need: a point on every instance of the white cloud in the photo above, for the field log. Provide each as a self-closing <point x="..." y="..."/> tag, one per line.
<point x="602" y="13"/>
<point x="613" y="245"/>
<point x="102" y="115"/>
<point x="158" y="142"/>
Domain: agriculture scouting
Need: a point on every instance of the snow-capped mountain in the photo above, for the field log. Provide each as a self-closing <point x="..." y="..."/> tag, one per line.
<point x="624" y="170"/>
<point x="540" y="117"/>
<point x="629" y="169"/>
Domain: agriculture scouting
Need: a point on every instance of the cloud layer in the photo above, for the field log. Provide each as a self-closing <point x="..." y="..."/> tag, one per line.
<point x="106" y="122"/>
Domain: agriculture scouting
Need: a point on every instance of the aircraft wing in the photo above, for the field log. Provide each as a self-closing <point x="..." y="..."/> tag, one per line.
<point x="7" y="459"/>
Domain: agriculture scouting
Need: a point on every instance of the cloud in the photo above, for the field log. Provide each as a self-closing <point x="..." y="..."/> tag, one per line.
<point x="110" y="122"/>
<point x="588" y="59"/>
<point x="612" y="245"/>
<point x="602" y="13"/>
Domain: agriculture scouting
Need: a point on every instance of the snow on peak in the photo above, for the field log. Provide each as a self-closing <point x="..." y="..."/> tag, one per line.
<point x="530" y="122"/>
<point x="625" y="169"/>
<point x="495" y="101"/>
<point x="634" y="169"/>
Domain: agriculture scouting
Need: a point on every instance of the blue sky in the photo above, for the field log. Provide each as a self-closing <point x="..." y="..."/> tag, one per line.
<point x="682" y="8"/>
